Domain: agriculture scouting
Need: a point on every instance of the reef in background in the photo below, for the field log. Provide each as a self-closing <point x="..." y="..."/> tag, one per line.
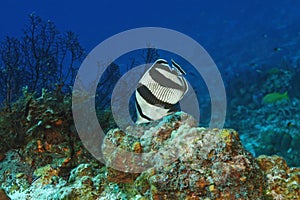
<point x="184" y="162"/>
<point x="266" y="112"/>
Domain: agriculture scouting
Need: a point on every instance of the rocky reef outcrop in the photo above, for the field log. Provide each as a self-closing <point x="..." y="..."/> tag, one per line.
<point x="188" y="162"/>
<point x="168" y="159"/>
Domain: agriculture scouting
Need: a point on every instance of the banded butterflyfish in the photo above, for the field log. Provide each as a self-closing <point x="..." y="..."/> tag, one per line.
<point x="159" y="90"/>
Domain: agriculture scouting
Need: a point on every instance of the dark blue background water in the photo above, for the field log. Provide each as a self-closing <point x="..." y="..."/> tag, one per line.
<point x="224" y="28"/>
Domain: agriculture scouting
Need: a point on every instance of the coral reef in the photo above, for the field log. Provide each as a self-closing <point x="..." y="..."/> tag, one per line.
<point x="277" y="80"/>
<point x="282" y="182"/>
<point x="50" y="146"/>
<point x="269" y="128"/>
<point x="169" y="159"/>
<point x="198" y="163"/>
<point x="210" y="164"/>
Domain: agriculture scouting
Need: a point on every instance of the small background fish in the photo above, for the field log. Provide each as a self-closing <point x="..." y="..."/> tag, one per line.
<point x="275" y="96"/>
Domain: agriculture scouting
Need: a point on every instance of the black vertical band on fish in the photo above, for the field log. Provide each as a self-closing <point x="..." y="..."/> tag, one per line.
<point x="164" y="81"/>
<point x="150" y="98"/>
<point x="140" y="112"/>
<point x="159" y="90"/>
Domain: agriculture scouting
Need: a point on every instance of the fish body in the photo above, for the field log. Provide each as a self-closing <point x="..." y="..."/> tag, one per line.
<point x="159" y="90"/>
<point x="274" y="97"/>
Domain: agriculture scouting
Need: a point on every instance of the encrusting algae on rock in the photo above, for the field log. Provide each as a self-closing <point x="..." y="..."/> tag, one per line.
<point x="192" y="162"/>
<point x="282" y="182"/>
<point x="179" y="161"/>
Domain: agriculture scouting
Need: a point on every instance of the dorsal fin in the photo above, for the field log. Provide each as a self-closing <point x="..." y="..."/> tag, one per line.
<point x="174" y="64"/>
<point x="160" y="61"/>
